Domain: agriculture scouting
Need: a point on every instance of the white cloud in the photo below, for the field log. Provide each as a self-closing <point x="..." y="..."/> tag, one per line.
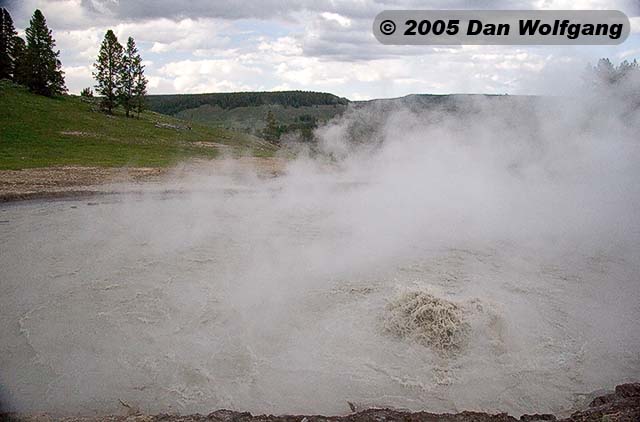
<point x="327" y="45"/>
<point x="287" y="46"/>
<point x="209" y="75"/>
<point x="78" y="77"/>
<point x="582" y="4"/>
<point x="339" y="19"/>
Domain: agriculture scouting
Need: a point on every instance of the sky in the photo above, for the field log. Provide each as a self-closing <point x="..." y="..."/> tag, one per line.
<point x="195" y="46"/>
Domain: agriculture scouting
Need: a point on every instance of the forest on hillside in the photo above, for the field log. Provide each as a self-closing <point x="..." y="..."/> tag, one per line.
<point x="172" y="104"/>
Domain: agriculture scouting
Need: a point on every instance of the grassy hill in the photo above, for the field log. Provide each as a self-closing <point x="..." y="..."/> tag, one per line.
<point x="247" y="111"/>
<point x="253" y="119"/>
<point x="37" y="131"/>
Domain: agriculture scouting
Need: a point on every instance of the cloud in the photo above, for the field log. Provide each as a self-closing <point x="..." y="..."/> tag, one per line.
<point x="185" y="35"/>
<point x="191" y="76"/>
<point x="343" y="10"/>
<point x="239" y="9"/>
<point x="339" y="19"/>
<point x="78" y="77"/>
<point x="199" y="46"/>
<point x="287" y="46"/>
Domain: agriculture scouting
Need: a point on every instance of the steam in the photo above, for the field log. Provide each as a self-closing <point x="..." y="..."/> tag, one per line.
<point x="224" y="288"/>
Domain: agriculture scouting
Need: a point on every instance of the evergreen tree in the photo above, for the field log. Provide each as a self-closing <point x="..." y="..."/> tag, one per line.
<point x="86" y="92"/>
<point x="7" y="38"/>
<point x="20" y="67"/>
<point x="109" y="71"/>
<point x="606" y="76"/>
<point x="127" y="76"/>
<point x="139" y="84"/>
<point x="271" y="132"/>
<point x="605" y="71"/>
<point x="44" y="74"/>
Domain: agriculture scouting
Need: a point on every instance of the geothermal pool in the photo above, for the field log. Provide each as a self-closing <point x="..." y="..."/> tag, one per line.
<point x="290" y="294"/>
<point x="269" y="299"/>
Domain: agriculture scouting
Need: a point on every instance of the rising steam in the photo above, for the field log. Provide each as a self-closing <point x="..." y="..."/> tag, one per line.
<point x="219" y="288"/>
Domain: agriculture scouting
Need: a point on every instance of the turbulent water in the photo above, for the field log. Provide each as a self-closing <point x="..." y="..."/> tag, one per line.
<point x="274" y="295"/>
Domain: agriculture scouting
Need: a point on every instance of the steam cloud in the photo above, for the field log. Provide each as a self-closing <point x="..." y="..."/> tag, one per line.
<point x="266" y="294"/>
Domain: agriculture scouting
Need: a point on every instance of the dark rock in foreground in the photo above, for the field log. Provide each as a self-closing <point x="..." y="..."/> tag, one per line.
<point x="621" y="406"/>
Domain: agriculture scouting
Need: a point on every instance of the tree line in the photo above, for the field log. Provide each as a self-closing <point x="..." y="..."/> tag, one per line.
<point x="119" y="72"/>
<point x="303" y="125"/>
<point x="606" y="75"/>
<point x="34" y="63"/>
<point x="172" y="104"/>
<point x="610" y="81"/>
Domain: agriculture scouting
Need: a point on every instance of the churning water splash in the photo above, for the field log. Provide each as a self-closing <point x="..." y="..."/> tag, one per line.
<point x="429" y="320"/>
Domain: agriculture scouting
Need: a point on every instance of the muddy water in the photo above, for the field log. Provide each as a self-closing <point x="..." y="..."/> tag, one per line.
<point x="226" y="299"/>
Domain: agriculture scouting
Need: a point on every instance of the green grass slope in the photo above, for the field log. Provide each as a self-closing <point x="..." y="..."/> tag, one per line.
<point x="247" y="111"/>
<point x="253" y="119"/>
<point x="37" y="131"/>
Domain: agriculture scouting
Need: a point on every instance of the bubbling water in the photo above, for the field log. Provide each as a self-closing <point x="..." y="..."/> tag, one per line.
<point x="513" y="240"/>
<point x="429" y="320"/>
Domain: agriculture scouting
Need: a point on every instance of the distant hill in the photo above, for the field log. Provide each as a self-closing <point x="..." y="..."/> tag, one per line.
<point x="247" y="111"/>
<point x="365" y="121"/>
<point x="37" y="131"/>
<point x="448" y="102"/>
<point x="301" y="112"/>
<point x="172" y="104"/>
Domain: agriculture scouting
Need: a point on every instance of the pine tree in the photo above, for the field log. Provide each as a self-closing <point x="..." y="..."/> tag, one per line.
<point x="139" y="84"/>
<point x="20" y="64"/>
<point x="109" y="71"/>
<point x="127" y="76"/>
<point x="271" y="132"/>
<point x="605" y="72"/>
<point x="86" y="92"/>
<point x="7" y="38"/>
<point x="44" y="74"/>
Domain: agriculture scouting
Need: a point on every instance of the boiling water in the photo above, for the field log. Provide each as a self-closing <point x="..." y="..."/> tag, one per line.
<point x="171" y="303"/>
<point x="273" y="295"/>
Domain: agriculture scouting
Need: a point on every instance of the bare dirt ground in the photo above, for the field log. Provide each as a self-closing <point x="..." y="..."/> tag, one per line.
<point x="70" y="181"/>
<point x="623" y="405"/>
